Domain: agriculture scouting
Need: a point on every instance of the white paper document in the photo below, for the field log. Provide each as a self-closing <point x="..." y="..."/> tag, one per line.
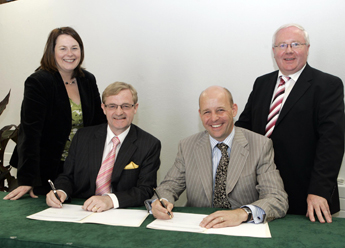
<point x="74" y="213"/>
<point x="185" y="222"/>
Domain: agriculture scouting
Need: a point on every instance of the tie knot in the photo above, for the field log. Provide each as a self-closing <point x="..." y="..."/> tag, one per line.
<point x="222" y="147"/>
<point x="115" y="141"/>
<point x="284" y="79"/>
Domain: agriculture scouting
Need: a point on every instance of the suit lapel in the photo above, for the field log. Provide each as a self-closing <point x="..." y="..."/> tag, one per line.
<point x="301" y="86"/>
<point x="203" y="160"/>
<point x="238" y="157"/>
<point x="96" y="153"/>
<point x="266" y="99"/>
<point x="83" y="87"/>
<point x="62" y="100"/>
<point x="125" y="153"/>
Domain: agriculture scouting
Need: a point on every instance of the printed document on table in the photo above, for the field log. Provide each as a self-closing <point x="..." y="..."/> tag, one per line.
<point x="186" y="222"/>
<point x="74" y="213"/>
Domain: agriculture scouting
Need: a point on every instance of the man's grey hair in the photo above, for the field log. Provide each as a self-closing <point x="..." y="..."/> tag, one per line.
<point x="306" y="35"/>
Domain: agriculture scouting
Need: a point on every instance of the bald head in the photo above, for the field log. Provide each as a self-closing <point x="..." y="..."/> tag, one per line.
<point x="217" y="110"/>
<point x="216" y="91"/>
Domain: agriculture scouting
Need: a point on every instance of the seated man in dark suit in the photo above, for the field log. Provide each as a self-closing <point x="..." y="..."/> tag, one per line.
<point x="113" y="165"/>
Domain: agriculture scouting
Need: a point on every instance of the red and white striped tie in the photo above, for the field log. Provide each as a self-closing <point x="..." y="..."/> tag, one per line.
<point x="103" y="181"/>
<point x="276" y="106"/>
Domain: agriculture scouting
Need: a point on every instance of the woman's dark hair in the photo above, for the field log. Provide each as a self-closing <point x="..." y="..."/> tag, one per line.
<point x="48" y="62"/>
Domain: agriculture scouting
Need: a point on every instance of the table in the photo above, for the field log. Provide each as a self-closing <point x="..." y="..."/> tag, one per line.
<point x="18" y="231"/>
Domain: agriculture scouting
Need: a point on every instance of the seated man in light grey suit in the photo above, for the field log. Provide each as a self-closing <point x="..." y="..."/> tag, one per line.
<point x="252" y="189"/>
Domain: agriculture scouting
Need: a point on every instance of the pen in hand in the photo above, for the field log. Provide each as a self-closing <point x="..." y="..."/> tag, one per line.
<point x="162" y="203"/>
<point x="54" y="190"/>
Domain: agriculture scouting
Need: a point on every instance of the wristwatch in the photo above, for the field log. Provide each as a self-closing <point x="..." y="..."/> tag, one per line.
<point x="249" y="212"/>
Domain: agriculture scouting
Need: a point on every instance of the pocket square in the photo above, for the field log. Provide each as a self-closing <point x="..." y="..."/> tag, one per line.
<point x="131" y="166"/>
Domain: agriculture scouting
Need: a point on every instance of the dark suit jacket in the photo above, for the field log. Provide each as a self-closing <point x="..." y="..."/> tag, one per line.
<point x="308" y="138"/>
<point x="131" y="186"/>
<point x="46" y="121"/>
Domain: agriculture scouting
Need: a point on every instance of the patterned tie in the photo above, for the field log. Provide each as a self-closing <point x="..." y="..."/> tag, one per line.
<point x="103" y="181"/>
<point x="276" y="106"/>
<point x="220" y="199"/>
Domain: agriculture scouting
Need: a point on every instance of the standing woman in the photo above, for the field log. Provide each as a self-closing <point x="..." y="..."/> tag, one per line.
<point x="59" y="98"/>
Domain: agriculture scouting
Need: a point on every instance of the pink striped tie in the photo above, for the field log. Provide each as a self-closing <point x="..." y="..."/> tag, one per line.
<point x="103" y="181"/>
<point x="276" y="106"/>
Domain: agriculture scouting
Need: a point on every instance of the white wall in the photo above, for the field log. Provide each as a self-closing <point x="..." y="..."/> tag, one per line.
<point x="169" y="50"/>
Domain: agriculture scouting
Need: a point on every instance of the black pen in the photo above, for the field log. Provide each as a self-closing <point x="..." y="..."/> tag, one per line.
<point x="162" y="203"/>
<point x="54" y="190"/>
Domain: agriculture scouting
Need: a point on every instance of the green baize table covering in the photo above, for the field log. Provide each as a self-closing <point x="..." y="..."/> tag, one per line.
<point x="18" y="231"/>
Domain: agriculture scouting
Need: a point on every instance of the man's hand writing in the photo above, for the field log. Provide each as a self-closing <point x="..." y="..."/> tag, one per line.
<point x="52" y="201"/>
<point x="160" y="212"/>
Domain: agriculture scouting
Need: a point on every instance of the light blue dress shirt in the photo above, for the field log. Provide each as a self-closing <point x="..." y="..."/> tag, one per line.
<point x="258" y="213"/>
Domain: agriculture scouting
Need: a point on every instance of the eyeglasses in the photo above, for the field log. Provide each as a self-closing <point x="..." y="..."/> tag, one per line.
<point x="293" y="45"/>
<point x="125" y="106"/>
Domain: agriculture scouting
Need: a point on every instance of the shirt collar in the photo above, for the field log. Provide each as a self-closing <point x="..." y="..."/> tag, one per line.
<point x="228" y="140"/>
<point x="294" y="76"/>
<point x="111" y="135"/>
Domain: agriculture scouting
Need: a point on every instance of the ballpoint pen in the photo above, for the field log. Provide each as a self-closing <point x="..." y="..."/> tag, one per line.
<point x="54" y="190"/>
<point x="162" y="203"/>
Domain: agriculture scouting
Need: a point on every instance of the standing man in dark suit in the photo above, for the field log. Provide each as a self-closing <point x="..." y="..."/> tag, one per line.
<point x="133" y="164"/>
<point x="306" y="124"/>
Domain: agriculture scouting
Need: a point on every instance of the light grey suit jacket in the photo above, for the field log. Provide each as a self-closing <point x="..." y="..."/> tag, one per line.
<point x="252" y="175"/>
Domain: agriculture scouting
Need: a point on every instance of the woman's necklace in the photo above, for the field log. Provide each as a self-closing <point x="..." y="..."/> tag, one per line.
<point x="70" y="83"/>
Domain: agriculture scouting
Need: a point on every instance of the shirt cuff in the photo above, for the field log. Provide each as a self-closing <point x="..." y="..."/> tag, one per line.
<point x="114" y="199"/>
<point x="257" y="212"/>
<point x="64" y="193"/>
<point x="148" y="204"/>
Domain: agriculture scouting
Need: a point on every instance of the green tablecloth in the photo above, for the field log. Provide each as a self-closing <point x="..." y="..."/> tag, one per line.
<point x="18" y="231"/>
